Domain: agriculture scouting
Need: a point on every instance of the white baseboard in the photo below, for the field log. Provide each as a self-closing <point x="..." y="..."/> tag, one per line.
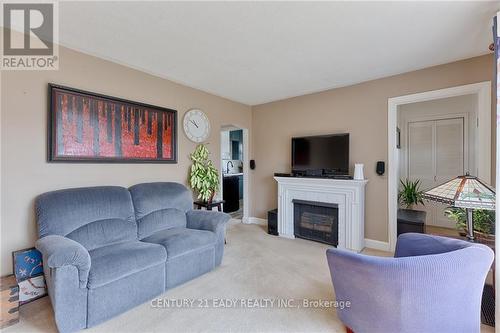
<point x="256" y="220"/>
<point x="376" y="245"/>
<point x="287" y="236"/>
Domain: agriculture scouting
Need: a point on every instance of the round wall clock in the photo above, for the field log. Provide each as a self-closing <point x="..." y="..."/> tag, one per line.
<point x="196" y="125"/>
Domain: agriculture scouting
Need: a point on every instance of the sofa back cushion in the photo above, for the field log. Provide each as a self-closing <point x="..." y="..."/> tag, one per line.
<point x="160" y="206"/>
<point x="91" y="216"/>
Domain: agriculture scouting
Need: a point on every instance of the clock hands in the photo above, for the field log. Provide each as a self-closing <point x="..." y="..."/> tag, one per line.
<point x="194" y="123"/>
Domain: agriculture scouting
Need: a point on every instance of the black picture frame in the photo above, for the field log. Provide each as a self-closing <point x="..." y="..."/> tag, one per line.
<point x="52" y="123"/>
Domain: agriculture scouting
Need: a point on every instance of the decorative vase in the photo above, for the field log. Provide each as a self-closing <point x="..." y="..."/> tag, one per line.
<point x="358" y="171"/>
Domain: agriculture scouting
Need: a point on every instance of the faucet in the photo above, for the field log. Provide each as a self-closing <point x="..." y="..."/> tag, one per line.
<point x="227" y="166"/>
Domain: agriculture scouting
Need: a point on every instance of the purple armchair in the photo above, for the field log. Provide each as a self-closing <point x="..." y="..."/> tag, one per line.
<point x="433" y="284"/>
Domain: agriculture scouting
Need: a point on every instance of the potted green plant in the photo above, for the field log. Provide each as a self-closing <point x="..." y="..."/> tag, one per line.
<point x="203" y="177"/>
<point x="459" y="216"/>
<point x="410" y="194"/>
<point x="483" y="221"/>
<point x="409" y="219"/>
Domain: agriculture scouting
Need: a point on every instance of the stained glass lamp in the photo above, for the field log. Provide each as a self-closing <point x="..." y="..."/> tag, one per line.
<point x="464" y="192"/>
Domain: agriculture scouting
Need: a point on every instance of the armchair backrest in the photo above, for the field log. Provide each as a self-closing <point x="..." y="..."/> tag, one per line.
<point x="159" y="206"/>
<point x="435" y="287"/>
<point x="91" y="216"/>
<point x="415" y="244"/>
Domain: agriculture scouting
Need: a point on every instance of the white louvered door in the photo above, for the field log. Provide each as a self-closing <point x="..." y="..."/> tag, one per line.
<point x="436" y="155"/>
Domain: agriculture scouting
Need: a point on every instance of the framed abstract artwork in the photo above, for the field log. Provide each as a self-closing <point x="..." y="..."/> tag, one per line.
<point x="89" y="127"/>
<point x="28" y="270"/>
<point x="32" y="289"/>
<point x="27" y="263"/>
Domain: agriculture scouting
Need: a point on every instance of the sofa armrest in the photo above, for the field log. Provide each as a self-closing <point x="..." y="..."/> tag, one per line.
<point x="59" y="251"/>
<point x="211" y="221"/>
<point x="207" y="220"/>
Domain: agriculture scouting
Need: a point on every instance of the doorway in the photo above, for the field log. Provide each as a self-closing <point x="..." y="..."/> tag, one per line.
<point x="435" y="154"/>
<point x="234" y="171"/>
<point x="431" y="132"/>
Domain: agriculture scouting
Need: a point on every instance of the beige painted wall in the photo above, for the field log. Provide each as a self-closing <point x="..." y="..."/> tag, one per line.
<point x="360" y="110"/>
<point x="25" y="172"/>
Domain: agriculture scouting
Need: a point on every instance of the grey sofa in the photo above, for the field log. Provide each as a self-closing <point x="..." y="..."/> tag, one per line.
<point x="108" y="249"/>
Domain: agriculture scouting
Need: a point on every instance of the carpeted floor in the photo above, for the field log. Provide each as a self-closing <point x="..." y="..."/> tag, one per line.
<point x="257" y="267"/>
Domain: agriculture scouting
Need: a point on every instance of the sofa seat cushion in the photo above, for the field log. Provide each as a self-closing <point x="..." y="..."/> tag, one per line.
<point x="113" y="262"/>
<point x="180" y="241"/>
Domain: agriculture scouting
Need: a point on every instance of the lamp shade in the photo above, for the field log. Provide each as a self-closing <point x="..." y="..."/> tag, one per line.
<point x="464" y="192"/>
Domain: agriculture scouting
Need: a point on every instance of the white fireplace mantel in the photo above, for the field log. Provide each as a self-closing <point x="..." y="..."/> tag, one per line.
<point x="348" y="194"/>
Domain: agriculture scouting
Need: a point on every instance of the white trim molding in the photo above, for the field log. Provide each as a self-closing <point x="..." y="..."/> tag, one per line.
<point x="255" y="220"/>
<point x="497" y="172"/>
<point x="483" y="155"/>
<point x="349" y="195"/>
<point x="377" y="245"/>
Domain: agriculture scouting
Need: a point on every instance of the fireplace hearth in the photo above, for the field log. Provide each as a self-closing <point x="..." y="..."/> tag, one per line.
<point x="317" y="221"/>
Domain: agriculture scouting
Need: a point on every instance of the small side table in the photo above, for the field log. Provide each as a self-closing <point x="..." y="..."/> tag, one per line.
<point x="209" y="205"/>
<point x="411" y="221"/>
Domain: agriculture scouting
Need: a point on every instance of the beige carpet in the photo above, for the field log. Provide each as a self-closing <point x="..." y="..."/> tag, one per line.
<point x="256" y="266"/>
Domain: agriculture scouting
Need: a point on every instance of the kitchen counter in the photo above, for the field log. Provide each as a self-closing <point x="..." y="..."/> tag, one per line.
<point x="232" y="174"/>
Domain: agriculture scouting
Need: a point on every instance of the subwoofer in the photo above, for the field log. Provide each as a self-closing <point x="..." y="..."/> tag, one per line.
<point x="272" y="222"/>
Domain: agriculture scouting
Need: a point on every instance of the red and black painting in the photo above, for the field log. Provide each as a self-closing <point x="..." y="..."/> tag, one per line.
<point x="88" y="127"/>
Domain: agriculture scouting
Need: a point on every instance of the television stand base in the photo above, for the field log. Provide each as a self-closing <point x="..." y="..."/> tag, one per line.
<point x="337" y="176"/>
<point x="278" y="174"/>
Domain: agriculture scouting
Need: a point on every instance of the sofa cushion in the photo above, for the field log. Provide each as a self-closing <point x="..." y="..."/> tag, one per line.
<point x="180" y="241"/>
<point x="103" y="232"/>
<point x="92" y="216"/>
<point x="159" y="220"/>
<point x="160" y="206"/>
<point x="114" y="298"/>
<point x="113" y="262"/>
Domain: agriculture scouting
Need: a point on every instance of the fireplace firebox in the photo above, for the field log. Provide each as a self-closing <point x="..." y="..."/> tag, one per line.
<point x="317" y="221"/>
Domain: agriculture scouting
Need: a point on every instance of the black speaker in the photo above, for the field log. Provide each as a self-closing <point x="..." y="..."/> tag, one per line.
<point x="252" y="164"/>
<point x="272" y="222"/>
<point x="380" y="168"/>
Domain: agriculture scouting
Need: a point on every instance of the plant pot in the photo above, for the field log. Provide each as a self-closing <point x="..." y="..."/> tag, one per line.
<point x="485" y="239"/>
<point x="410" y="220"/>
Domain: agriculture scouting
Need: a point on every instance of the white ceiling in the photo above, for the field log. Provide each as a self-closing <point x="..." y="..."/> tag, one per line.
<point x="256" y="52"/>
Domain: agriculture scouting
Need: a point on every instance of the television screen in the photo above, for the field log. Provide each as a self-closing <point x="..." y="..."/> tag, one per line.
<point x="327" y="152"/>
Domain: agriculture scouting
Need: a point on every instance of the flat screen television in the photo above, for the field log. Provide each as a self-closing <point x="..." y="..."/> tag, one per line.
<point x="321" y="155"/>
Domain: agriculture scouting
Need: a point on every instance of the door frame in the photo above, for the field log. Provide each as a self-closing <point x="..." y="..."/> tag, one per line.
<point x="483" y="92"/>
<point x="246" y="167"/>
